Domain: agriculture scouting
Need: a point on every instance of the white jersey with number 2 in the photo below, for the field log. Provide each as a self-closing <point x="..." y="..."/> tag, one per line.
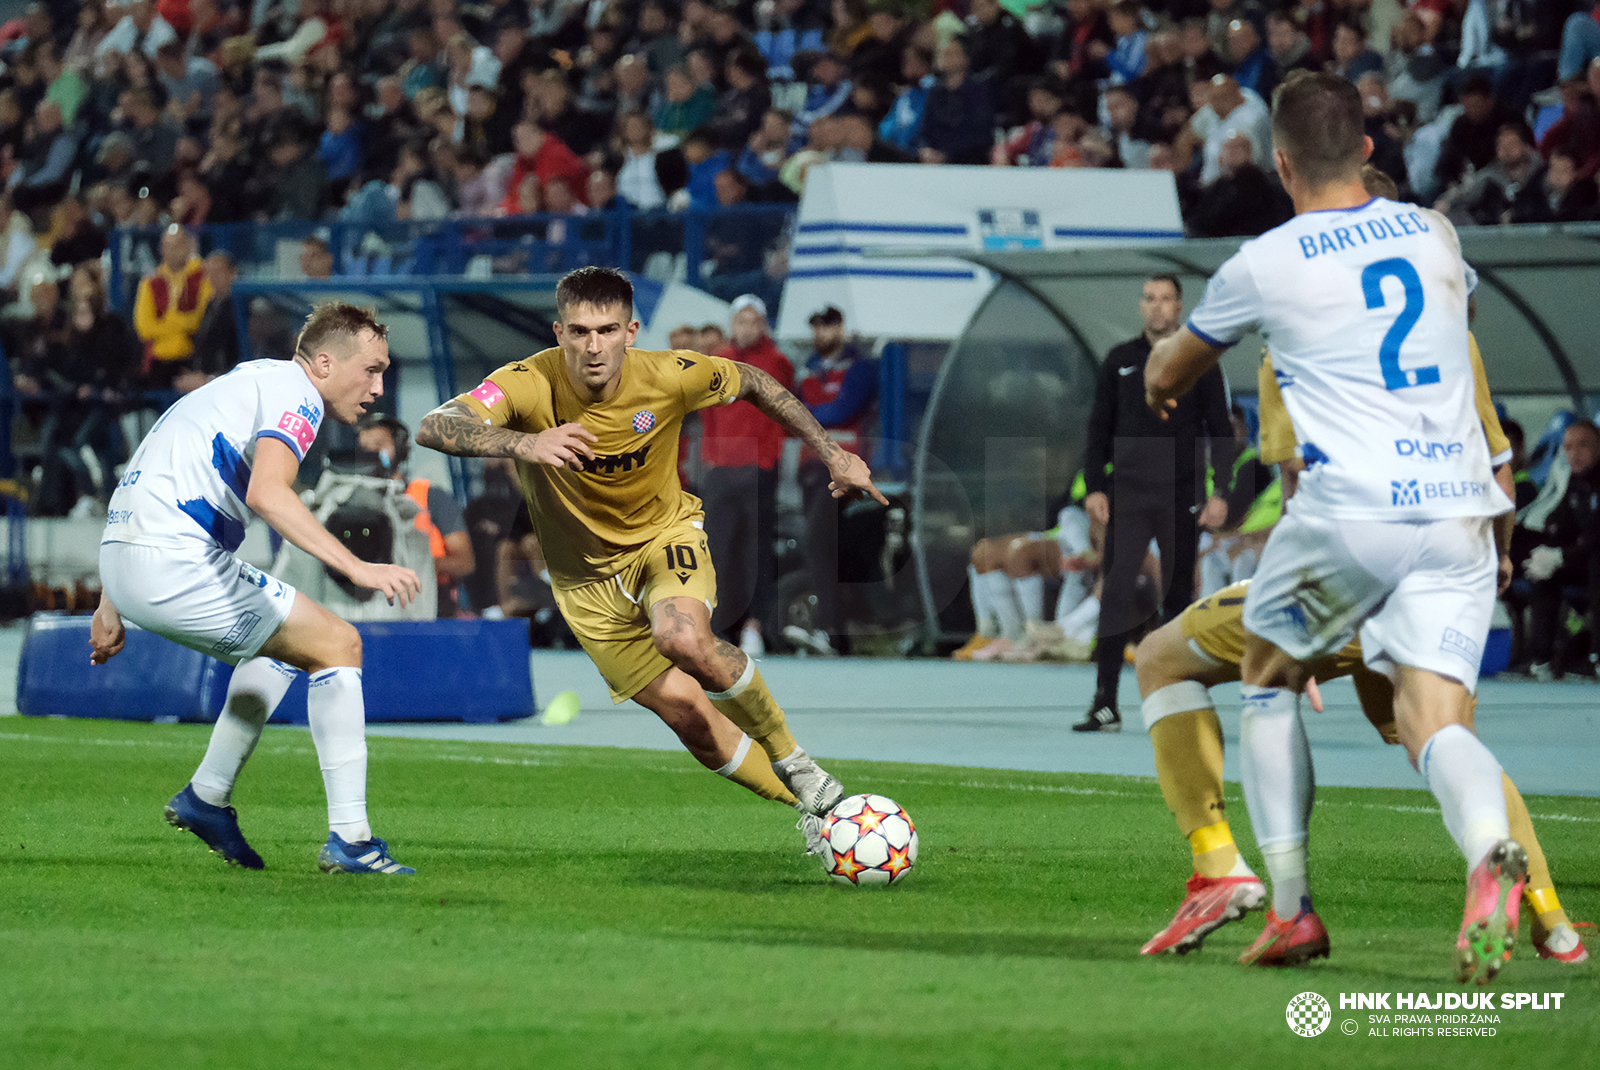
<point x="1365" y="313"/>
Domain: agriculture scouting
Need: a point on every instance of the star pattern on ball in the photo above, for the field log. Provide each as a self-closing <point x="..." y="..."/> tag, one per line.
<point x="869" y="819"/>
<point x="899" y="862"/>
<point x="846" y="866"/>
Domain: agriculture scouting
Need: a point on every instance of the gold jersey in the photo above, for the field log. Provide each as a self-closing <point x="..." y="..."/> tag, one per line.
<point x="590" y="522"/>
<point x="1277" y="433"/>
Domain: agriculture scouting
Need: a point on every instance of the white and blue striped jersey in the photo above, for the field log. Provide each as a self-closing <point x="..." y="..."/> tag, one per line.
<point x="1364" y="311"/>
<point x="188" y="478"/>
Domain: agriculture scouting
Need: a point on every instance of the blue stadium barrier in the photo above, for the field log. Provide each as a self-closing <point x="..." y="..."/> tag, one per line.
<point x="447" y="670"/>
<point x="540" y="243"/>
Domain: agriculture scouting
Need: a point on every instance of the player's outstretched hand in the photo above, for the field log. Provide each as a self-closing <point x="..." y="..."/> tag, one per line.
<point x="1158" y="402"/>
<point x="563" y="447"/>
<point x="853" y="478"/>
<point x="395" y="581"/>
<point x="1506" y="570"/>
<point x="1313" y="695"/>
<point x="106" y="633"/>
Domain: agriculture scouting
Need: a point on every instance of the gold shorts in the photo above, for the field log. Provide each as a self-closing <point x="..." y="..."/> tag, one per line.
<point x="1214" y="627"/>
<point x="611" y="617"/>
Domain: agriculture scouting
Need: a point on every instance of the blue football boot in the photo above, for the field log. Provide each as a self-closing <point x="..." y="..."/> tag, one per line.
<point x="368" y="856"/>
<point x="217" y="827"/>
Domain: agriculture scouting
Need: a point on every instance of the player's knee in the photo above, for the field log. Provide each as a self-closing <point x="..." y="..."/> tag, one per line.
<point x="984" y="555"/>
<point x="344" y="645"/>
<point x="685" y="649"/>
<point x="1150" y="662"/>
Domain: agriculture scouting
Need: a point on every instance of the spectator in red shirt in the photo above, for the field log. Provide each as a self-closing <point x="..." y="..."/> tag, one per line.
<point x="544" y="156"/>
<point x="741" y="448"/>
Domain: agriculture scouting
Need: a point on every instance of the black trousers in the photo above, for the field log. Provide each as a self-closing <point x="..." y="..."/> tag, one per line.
<point x="1170" y="517"/>
<point x="1545" y="604"/>
<point x="822" y="543"/>
<point x="741" y="507"/>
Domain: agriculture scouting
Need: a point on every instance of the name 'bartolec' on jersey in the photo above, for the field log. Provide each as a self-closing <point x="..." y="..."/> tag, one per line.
<point x="1364" y="310"/>
<point x="589" y="521"/>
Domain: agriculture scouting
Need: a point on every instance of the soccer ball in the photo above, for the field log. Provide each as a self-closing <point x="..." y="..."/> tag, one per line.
<point x="868" y="839"/>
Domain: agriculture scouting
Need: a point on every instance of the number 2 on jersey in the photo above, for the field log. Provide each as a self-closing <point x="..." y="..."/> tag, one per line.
<point x="1394" y="376"/>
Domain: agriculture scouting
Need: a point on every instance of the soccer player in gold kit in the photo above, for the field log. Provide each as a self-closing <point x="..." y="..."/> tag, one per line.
<point x="593" y="427"/>
<point x="1202" y="648"/>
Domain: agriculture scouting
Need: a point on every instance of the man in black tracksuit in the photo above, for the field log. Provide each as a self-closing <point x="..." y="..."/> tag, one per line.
<point x="1154" y="489"/>
<point x="1568" y="555"/>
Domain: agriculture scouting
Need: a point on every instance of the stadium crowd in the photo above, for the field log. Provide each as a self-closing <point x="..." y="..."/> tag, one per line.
<point x="210" y="111"/>
<point x="155" y="112"/>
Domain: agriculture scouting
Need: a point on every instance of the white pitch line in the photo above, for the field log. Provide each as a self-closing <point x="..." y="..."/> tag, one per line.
<point x="1055" y="789"/>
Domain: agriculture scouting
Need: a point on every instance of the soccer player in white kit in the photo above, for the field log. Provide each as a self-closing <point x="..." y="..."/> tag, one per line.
<point x="1363" y="304"/>
<point x="231" y="448"/>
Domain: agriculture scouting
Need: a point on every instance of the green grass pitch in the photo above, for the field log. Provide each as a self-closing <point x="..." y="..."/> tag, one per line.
<point x="607" y="908"/>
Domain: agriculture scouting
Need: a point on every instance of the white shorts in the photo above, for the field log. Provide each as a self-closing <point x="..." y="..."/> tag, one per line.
<point x="205" y="598"/>
<point x="1421" y="593"/>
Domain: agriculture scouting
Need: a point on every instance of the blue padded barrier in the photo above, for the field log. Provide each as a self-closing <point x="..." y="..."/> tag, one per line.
<point x="152" y="679"/>
<point x="446" y="670"/>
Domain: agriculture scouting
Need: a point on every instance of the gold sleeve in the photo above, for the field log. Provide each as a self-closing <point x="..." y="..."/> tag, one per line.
<point x="1498" y="442"/>
<point x="707" y="381"/>
<point x="501" y="398"/>
<point x="1277" y="433"/>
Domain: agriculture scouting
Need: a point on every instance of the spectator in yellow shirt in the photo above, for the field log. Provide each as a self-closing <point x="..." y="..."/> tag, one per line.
<point x="167" y="312"/>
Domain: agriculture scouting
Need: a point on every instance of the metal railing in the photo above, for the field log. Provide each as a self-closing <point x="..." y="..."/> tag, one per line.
<point x="661" y="244"/>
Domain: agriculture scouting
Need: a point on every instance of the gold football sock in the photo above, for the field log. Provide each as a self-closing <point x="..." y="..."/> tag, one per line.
<point x="1188" y="750"/>
<point x="749" y="768"/>
<point x="1540" y="891"/>
<point x="750" y="705"/>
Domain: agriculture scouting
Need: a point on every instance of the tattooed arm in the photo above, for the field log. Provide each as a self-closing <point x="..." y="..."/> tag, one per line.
<point x="455" y="429"/>
<point x="851" y="476"/>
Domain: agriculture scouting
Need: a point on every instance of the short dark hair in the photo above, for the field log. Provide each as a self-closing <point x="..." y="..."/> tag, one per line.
<point x="597" y="287"/>
<point x="335" y="320"/>
<point x="1519" y="128"/>
<point x="1514" y="432"/>
<point x="1354" y="25"/>
<point x="1167" y="276"/>
<point x="398" y="432"/>
<point x="748" y="60"/>
<point x="1587" y="425"/>
<point x="1318" y="123"/>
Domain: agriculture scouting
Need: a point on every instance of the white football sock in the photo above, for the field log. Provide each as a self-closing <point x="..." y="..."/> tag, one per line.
<point x="983" y="610"/>
<point x="258" y="685"/>
<point x="1073" y="592"/>
<point x="1286" y="867"/>
<point x="338" y="716"/>
<point x="1030" y="593"/>
<point x="1001" y="597"/>
<point x="1279" y="787"/>
<point x="1465" y="777"/>
<point x="1083" y="621"/>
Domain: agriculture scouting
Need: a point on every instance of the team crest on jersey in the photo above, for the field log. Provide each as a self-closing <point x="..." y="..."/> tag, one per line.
<point x="643" y="420"/>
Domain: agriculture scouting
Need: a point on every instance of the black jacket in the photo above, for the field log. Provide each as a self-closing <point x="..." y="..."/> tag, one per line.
<point x="1574" y="525"/>
<point x="1150" y="455"/>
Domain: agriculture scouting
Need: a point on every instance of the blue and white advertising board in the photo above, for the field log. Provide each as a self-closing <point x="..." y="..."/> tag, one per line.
<point x="855" y="216"/>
